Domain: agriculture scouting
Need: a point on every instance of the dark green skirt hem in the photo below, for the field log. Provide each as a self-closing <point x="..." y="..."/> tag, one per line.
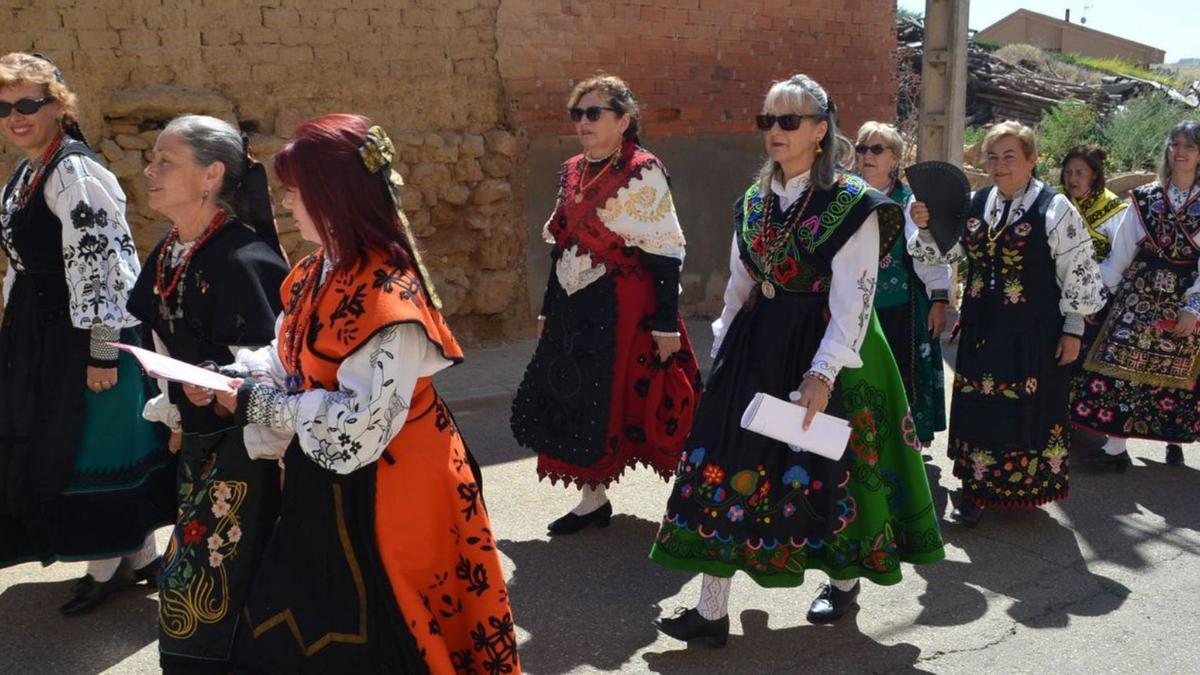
<point x="717" y="568"/>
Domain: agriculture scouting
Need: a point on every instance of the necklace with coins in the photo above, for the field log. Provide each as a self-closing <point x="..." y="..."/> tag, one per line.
<point x="779" y="237"/>
<point x="586" y="162"/>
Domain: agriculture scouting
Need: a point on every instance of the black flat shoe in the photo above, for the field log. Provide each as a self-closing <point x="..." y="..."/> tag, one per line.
<point x="1174" y="454"/>
<point x="1102" y="460"/>
<point x="572" y="523"/>
<point x="94" y="593"/>
<point x="688" y="625"/>
<point x="967" y="513"/>
<point x="832" y="603"/>
<point x="149" y="573"/>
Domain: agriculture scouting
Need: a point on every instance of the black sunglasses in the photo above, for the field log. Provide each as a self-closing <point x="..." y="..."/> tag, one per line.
<point x="593" y="113"/>
<point x="26" y="106"/>
<point x="862" y="148"/>
<point x="789" y="122"/>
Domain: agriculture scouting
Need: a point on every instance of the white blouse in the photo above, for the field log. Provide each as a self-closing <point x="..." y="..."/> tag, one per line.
<point x="101" y="261"/>
<point x="349" y="428"/>
<point x="851" y="292"/>
<point x="1078" y="276"/>
<point x="1128" y="238"/>
<point x="936" y="278"/>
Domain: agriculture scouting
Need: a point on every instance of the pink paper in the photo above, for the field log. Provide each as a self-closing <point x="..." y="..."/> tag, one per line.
<point x="157" y="365"/>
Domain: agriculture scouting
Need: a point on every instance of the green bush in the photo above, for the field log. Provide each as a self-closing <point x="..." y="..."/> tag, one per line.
<point x="972" y="135"/>
<point x="1063" y="127"/>
<point x="1116" y="66"/>
<point x="1135" y="135"/>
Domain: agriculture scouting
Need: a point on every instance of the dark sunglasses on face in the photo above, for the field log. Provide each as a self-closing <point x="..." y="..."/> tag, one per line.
<point x="26" y="106"/>
<point x="593" y="113"/>
<point x="862" y="148"/>
<point x="789" y="122"/>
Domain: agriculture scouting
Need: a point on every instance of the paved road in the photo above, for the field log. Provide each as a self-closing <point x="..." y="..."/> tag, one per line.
<point x="1103" y="582"/>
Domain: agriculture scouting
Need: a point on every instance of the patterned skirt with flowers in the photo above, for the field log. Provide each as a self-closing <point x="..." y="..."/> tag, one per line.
<point x="742" y="501"/>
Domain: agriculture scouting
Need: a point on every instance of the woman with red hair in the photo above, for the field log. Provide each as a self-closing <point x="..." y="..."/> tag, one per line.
<point x="351" y="580"/>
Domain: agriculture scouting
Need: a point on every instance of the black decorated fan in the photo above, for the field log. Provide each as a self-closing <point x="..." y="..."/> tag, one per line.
<point x="944" y="188"/>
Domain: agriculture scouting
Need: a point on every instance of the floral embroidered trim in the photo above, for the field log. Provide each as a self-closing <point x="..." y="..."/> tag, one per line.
<point x="575" y="272"/>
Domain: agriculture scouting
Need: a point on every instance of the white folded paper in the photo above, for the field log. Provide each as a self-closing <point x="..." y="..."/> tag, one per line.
<point x="157" y="365"/>
<point x="783" y="421"/>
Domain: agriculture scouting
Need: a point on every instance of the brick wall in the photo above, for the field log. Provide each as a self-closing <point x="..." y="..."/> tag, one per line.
<point x="698" y="66"/>
<point x="423" y="69"/>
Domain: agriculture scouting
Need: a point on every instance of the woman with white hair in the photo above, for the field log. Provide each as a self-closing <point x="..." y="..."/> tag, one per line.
<point x="798" y="323"/>
<point x="910" y="297"/>
<point x="1139" y="380"/>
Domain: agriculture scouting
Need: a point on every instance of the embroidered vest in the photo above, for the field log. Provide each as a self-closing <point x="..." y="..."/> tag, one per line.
<point x="350" y="308"/>
<point x="895" y="270"/>
<point x="799" y="259"/>
<point x="1168" y="235"/>
<point x="1096" y="210"/>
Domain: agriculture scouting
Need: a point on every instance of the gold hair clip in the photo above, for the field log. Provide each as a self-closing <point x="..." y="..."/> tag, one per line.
<point x="377" y="150"/>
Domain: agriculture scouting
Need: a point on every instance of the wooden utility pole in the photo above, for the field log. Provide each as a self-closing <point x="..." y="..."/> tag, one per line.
<point x="943" y="82"/>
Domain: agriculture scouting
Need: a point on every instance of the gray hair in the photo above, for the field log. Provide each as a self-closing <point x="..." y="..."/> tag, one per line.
<point x="1189" y="129"/>
<point x="213" y="140"/>
<point x="802" y="95"/>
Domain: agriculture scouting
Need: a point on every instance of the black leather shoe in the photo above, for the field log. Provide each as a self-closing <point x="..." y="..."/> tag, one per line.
<point x="1102" y="460"/>
<point x="94" y="593"/>
<point x="832" y="603"/>
<point x="572" y="523"/>
<point x="1174" y="454"/>
<point x="149" y="573"/>
<point x="967" y="513"/>
<point x="688" y="625"/>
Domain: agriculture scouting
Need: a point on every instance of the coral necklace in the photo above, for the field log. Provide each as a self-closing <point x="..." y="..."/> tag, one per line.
<point x="297" y="320"/>
<point x="28" y="187"/>
<point x="584" y="183"/>
<point x="163" y="288"/>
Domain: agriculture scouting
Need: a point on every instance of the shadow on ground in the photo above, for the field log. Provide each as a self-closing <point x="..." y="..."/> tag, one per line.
<point x="91" y="643"/>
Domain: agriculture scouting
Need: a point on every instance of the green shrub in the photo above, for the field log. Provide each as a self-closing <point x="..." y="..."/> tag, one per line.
<point x="1063" y="127"/>
<point x="972" y="135"/>
<point x="1135" y="135"/>
<point x="1116" y="66"/>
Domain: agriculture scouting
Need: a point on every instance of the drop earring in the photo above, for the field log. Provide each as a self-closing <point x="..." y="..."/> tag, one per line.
<point x="204" y="198"/>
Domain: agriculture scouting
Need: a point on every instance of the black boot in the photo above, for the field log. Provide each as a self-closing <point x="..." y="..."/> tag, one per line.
<point x="832" y="603"/>
<point x="688" y="625"/>
<point x="967" y="513"/>
<point x="1174" y="454"/>
<point x="93" y="593"/>
<point x="1102" y="460"/>
<point x="572" y="523"/>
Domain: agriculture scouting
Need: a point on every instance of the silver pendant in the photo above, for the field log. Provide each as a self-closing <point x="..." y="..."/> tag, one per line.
<point x="768" y="290"/>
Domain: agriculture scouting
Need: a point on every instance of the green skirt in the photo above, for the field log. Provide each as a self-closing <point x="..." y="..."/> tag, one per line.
<point x="881" y="514"/>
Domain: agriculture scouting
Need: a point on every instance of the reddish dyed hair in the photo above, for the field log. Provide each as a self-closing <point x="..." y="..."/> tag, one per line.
<point x="351" y="207"/>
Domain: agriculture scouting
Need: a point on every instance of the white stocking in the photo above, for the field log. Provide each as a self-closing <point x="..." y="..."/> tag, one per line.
<point x="144" y="555"/>
<point x="714" y="597"/>
<point x="103" y="570"/>
<point x="844" y="586"/>
<point x="1114" y="445"/>
<point x="590" y="499"/>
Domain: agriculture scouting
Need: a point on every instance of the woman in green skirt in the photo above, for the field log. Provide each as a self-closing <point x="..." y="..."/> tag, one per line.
<point x="798" y="323"/>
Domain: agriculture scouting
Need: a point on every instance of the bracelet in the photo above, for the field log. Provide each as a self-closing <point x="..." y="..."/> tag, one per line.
<point x="541" y="317"/>
<point x="663" y="333"/>
<point x="823" y="380"/>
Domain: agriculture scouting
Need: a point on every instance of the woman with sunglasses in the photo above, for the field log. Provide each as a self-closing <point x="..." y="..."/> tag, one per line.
<point x="82" y="476"/>
<point x="1031" y="280"/>
<point x="1140" y="377"/>
<point x="910" y="297"/>
<point x="613" y="382"/>
<point x="210" y="287"/>
<point x="798" y="324"/>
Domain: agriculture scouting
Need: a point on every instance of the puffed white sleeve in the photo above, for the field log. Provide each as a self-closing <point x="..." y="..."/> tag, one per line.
<point x="1081" y="289"/>
<point x="922" y="246"/>
<point x="737" y="291"/>
<point x="1124" y="241"/>
<point x="936" y="278"/>
<point x="851" y="299"/>
<point x="348" y="429"/>
<point x="160" y="409"/>
<point x="99" y="256"/>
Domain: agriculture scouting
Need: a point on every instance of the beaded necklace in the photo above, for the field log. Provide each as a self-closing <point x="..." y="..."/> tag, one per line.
<point x="162" y="288"/>
<point x="584" y="183"/>
<point x="774" y="245"/>
<point x="31" y="183"/>
<point x="296" y="324"/>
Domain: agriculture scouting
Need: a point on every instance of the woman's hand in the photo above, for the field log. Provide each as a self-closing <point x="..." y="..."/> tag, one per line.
<point x="228" y="399"/>
<point x="101" y="379"/>
<point x="667" y="346"/>
<point x="201" y="397"/>
<point x="919" y="213"/>
<point x="1185" y="325"/>
<point x="541" y="326"/>
<point x="175" y="442"/>
<point x="1068" y="349"/>
<point x="937" y="320"/>
<point x="813" y="396"/>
